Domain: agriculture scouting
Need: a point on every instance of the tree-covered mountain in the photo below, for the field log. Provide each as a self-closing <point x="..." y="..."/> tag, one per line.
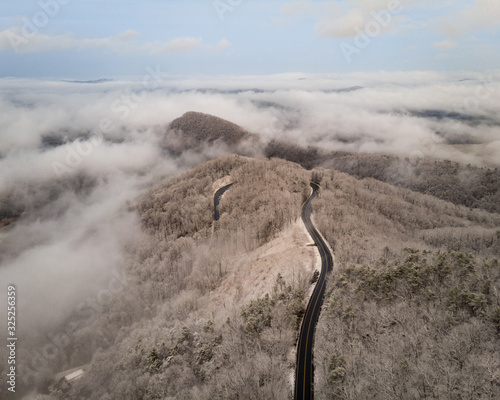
<point x="212" y="310"/>
<point x="411" y="270"/>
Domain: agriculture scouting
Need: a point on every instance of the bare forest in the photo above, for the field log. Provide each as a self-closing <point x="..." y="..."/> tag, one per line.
<point x="468" y="185"/>
<point x="412" y="308"/>
<point x="211" y="310"/>
<point x="159" y="339"/>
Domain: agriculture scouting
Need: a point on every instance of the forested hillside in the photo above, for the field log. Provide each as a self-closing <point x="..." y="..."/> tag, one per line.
<point x="425" y="325"/>
<point x="413" y="306"/>
<point x="467" y="185"/>
<point x="161" y="338"/>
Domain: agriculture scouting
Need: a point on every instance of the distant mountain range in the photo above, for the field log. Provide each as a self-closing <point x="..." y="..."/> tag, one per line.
<point x="91" y="82"/>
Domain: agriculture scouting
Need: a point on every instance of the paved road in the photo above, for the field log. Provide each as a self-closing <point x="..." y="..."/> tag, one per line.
<point x="217" y="196"/>
<point x="304" y="371"/>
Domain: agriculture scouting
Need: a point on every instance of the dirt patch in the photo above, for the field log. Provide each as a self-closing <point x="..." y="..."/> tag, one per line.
<point x="252" y="275"/>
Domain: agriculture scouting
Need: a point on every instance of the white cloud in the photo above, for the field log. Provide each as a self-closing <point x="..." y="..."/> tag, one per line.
<point x="129" y="34"/>
<point x="445" y="45"/>
<point x="345" y="26"/>
<point x="124" y="43"/>
<point x="348" y="19"/>
<point x="483" y="14"/>
<point x="223" y="44"/>
<point x="16" y="38"/>
<point x="179" y="45"/>
<point x="375" y="5"/>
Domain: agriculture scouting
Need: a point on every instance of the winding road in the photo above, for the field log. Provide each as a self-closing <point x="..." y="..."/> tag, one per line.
<point x="217" y="197"/>
<point x="304" y="373"/>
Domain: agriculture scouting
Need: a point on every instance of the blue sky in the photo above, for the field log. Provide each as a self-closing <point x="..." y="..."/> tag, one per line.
<point x="88" y="39"/>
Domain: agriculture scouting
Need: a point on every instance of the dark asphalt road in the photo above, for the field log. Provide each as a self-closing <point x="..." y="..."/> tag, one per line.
<point x="304" y="372"/>
<point x="217" y="196"/>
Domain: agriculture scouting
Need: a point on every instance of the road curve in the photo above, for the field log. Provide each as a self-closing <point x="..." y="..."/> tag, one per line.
<point x="217" y="197"/>
<point x="304" y="369"/>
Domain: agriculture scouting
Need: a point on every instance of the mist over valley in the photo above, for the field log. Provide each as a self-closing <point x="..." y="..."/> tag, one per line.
<point x="107" y="231"/>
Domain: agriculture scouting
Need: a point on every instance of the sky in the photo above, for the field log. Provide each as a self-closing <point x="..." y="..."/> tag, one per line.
<point x="90" y="39"/>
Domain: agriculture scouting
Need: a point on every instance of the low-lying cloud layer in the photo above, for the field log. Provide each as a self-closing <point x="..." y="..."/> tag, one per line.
<point x="73" y="155"/>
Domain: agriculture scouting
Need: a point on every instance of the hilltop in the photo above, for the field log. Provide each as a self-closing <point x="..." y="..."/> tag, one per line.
<point x="198" y="132"/>
<point x="208" y="128"/>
